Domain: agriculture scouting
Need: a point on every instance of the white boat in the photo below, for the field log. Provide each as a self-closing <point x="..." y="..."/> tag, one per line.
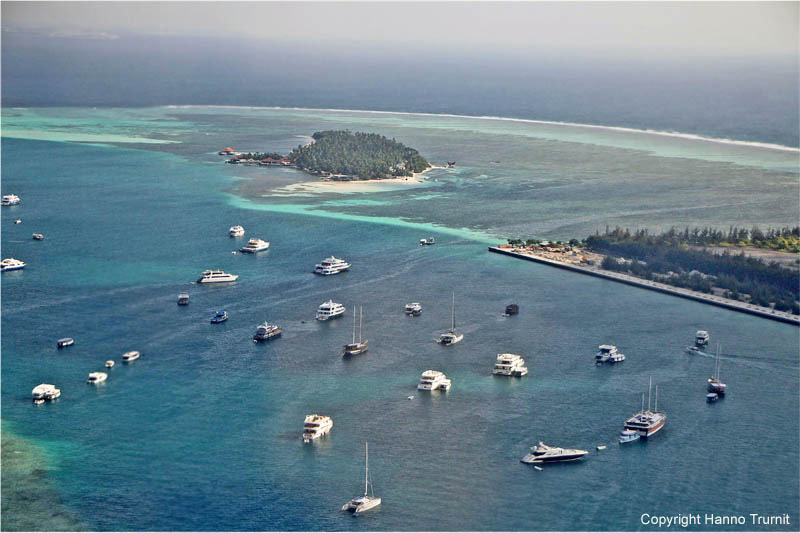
<point x="11" y="264"/>
<point x="329" y="309"/>
<point x="330" y="266"/>
<point x="183" y="298"/>
<point x="254" y="246"/>
<point x="413" y="309"/>
<point x="429" y="241"/>
<point x="543" y="453"/>
<point x="38" y="237"/>
<point x="432" y="380"/>
<point x="509" y="364"/>
<point x="715" y="385"/>
<point x="368" y="501"/>
<point x="694" y="350"/>
<point x="127" y="357"/>
<point x="18" y="221"/>
<point x="266" y="331"/>
<point x="216" y="276"/>
<point x="646" y="422"/>
<point x="316" y="426"/>
<point x="355" y="348"/>
<point x="9" y="199"/>
<point x="451" y="337"/>
<point x="109" y="364"/>
<point x="66" y="341"/>
<point x="97" y="377"/>
<point x="236" y="231"/>
<point x="701" y="338"/>
<point x="608" y="354"/>
<point x="45" y="391"/>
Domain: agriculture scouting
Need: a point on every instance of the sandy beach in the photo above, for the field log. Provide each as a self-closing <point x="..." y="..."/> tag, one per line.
<point x="355" y="186"/>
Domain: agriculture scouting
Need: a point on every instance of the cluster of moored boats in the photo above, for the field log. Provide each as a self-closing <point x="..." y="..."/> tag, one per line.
<point x="715" y="387"/>
<point x="9" y="264"/>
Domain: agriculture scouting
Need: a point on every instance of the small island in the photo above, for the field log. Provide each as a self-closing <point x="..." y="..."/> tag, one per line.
<point x="344" y="156"/>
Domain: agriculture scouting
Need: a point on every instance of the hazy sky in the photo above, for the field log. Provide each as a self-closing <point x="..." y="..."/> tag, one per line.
<point x="664" y="28"/>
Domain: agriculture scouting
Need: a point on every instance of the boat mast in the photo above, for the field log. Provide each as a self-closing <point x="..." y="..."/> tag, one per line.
<point x="642" y="402"/>
<point x="366" y="474"/>
<point x="453" y="312"/>
<point x="716" y="365"/>
<point x="354" y="324"/>
<point x="360" y="319"/>
<point x="656" y="398"/>
<point x="650" y="386"/>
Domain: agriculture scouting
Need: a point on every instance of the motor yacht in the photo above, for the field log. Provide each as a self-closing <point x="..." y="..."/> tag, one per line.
<point x="647" y="422"/>
<point x="413" y="309"/>
<point x="266" y="331"/>
<point x="38" y="237"/>
<point x="97" y="377"/>
<point x="45" y="391"/>
<point x="254" y="246"/>
<point x="714" y="383"/>
<point x="427" y="242"/>
<point x="451" y="337"/>
<point x="628" y="435"/>
<point x="368" y="501"/>
<point x="316" y="426"/>
<point x="355" y="348"/>
<point x="219" y="317"/>
<point x="216" y="276"/>
<point x="9" y="199"/>
<point x="432" y="380"/>
<point x="701" y="338"/>
<point x="330" y="266"/>
<point x="329" y="309"/>
<point x="66" y="341"/>
<point x="183" y="298"/>
<point x="509" y="364"/>
<point x="236" y="231"/>
<point x="608" y="354"/>
<point x="11" y="264"/>
<point x="109" y="364"/>
<point x="133" y="355"/>
<point x="543" y="453"/>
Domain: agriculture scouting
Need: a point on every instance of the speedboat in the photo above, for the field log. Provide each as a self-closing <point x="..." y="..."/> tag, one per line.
<point x="254" y="246"/>
<point x="11" y="264"/>
<point x="127" y="357"/>
<point x="355" y="348"/>
<point x="329" y="309"/>
<point x="66" y="341"/>
<point x="701" y="338"/>
<point x="316" y="426"/>
<point x="543" y="453"/>
<point x="509" y="364"/>
<point x="330" y="266"/>
<point x="429" y="241"/>
<point x="693" y="350"/>
<point x="38" y="237"/>
<point x="45" y="391"/>
<point x="628" y="435"/>
<point x="451" y="337"/>
<point x="221" y="316"/>
<point x="236" y="231"/>
<point x="368" y="501"/>
<point x="647" y="422"/>
<point x="183" y="298"/>
<point x="18" y="221"/>
<point x="414" y="309"/>
<point x="9" y="199"/>
<point x="608" y="353"/>
<point x="712" y="397"/>
<point x="109" y="364"/>
<point x="216" y="276"/>
<point x="266" y="331"/>
<point x="97" y="377"/>
<point x="432" y="380"/>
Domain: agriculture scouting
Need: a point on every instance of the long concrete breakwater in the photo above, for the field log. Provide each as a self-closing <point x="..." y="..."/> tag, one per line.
<point x="727" y="303"/>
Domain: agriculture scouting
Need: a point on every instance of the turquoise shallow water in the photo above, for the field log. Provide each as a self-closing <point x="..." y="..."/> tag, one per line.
<point x="203" y="432"/>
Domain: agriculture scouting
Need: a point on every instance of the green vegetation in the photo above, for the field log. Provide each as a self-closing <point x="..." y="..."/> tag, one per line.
<point x="362" y="155"/>
<point x="260" y="155"/>
<point x="783" y="239"/>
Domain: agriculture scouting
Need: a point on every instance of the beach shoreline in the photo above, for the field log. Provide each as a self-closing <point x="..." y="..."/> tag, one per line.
<point x="353" y="186"/>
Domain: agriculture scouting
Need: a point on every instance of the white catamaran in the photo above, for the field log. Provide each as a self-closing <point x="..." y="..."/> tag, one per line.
<point x="366" y="502"/>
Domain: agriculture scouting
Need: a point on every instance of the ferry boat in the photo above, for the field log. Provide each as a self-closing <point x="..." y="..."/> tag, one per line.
<point x="427" y="242"/>
<point x="355" y="348"/>
<point x="432" y="380"/>
<point x="647" y="422"/>
<point x="66" y="341"/>
<point x="701" y="338"/>
<point x="236" y="231"/>
<point x="109" y="364"/>
<point x="11" y="264"/>
<point x="330" y="266"/>
<point x="183" y="298"/>
<point x="543" y="453"/>
<point x="266" y="331"/>
<point x="509" y="364"/>
<point x="38" y="237"/>
<point x="216" y="276"/>
<point x="608" y="353"/>
<point x="254" y="246"/>
<point x="413" y="309"/>
<point x="368" y="501"/>
<point x="220" y="317"/>
<point x="329" y="309"/>
<point x="9" y="199"/>
<point x="714" y="383"/>
<point x="133" y="355"/>
<point x="316" y="426"/>
<point x="45" y="391"/>
<point x="97" y="377"/>
<point x="451" y="337"/>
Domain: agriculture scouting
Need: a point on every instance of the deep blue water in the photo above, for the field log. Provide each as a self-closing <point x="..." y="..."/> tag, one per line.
<point x="203" y="432"/>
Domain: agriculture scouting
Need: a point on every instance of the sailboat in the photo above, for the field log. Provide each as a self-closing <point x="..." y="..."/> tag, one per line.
<point x="714" y="384"/>
<point x="355" y="348"/>
<point x="451" y="337"/>
<point x="366" y="502"/>
<point x="645" y="423"/>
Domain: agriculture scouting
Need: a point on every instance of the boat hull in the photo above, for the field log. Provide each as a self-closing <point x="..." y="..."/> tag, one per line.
<point x="532" y="459"/>
<point x="269" y="336"/>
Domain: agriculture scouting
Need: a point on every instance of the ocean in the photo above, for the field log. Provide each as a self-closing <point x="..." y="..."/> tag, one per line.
<point x="203" y="431"/>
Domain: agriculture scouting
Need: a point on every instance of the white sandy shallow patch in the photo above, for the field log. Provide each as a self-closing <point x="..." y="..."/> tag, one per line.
<point x="352" y="187"/>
